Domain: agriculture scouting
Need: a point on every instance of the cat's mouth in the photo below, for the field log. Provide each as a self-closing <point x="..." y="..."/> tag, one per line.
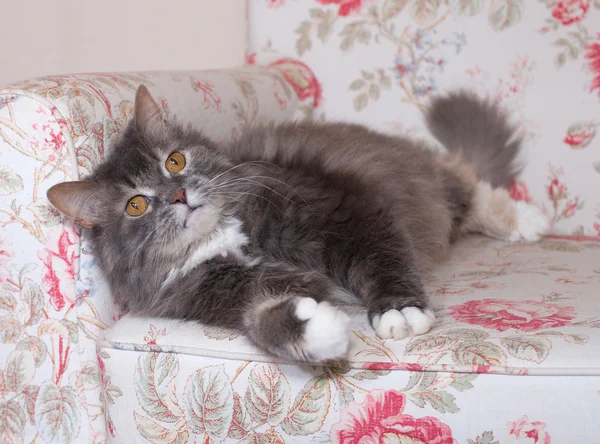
<point x="190" y="213"/>
<point x="192" y="209"/>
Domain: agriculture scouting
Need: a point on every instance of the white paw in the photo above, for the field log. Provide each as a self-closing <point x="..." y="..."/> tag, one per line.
<point x="394" y="324"/>
<point x="326" y="330"/>
<point x="532" y="223"/>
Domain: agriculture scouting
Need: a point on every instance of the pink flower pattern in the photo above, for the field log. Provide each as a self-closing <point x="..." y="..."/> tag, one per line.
<point x="592" y="55"/>
<point x="301" y="79"/>
<point x="210" y="98"/>
<point x="556" y="190"/>
<point x="346" y="7"/>
<point x="275" y="3"/>
<point x="579" y="136"/>
<point x="568" y="12"/>
<point x="502" y="315"/>
<point x="59" y="259"/>
<point x="379" y="418"/>
<point x="564" y="206"/>
<point x="523" y="431"/>
<point x="5" y="255"/>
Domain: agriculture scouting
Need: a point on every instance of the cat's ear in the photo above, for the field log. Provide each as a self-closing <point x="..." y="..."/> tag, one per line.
<point x="148" y="115"/>
<point x="79" y="200"/>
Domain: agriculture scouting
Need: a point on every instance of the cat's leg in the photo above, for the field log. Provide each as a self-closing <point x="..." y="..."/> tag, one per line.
<point x="298" y="327"/>
<point x="477" y="207"/>
<point x="282" y="310"/>
<point x="378" y="265"/>
<point x="393" y="291"/>
<point x="495" y="214"/>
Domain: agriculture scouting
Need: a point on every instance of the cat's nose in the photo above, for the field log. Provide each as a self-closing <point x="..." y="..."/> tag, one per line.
<point x="179" y="197"/>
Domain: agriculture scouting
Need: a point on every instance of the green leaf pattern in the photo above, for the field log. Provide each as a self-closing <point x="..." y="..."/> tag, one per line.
<point x="310" y="408"/>
<point x="268" y="395"/>
<point x="208" y="400"/>
<point x="57" y="413"/>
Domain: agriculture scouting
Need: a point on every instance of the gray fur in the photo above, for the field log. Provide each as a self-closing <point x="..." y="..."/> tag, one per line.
<point x="325" y="207"/>
<point x="480" y="131"/>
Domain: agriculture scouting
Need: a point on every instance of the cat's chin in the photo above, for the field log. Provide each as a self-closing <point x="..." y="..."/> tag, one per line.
<point x="200" y="221"/>
<point x="193" y="220"/>
<point x="189" y="217"/>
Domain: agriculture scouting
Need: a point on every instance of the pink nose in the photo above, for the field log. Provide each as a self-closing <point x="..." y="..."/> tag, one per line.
<point x="179" y="197"/>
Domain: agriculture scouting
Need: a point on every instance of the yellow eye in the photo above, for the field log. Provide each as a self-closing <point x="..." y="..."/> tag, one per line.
<point x="137" y="206"/>
<point x="175" y="163"/>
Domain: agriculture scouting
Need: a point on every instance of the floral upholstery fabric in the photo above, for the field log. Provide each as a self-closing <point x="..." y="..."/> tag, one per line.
<point x="53" y="303"/>
<point x="378" y="61"/>
<point x="169" y="397"/>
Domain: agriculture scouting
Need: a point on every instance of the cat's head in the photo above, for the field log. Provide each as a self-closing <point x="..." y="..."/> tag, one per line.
<point x="154" y="194"/>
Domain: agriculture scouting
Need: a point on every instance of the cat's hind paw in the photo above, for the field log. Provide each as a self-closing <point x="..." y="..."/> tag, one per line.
<point x="395" y="324"/>
<point x="326" y="330"/>
<point x="532" y="223"/>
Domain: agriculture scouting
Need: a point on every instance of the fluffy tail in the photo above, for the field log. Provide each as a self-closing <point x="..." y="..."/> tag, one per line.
<point x="478" y="130"/>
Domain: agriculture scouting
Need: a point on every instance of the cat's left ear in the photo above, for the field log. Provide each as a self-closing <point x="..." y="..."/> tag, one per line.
<point x="80" y="200"/>
<point x="149" y="119"/>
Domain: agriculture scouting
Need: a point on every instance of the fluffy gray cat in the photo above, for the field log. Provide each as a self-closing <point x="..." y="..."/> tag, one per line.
<point x="272" y="233"/>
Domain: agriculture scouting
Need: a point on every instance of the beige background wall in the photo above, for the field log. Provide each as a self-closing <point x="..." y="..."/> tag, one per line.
<point x="67" y="36"/>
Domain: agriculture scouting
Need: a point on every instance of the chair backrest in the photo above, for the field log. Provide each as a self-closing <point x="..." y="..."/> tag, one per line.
<point x="378" y="61"/>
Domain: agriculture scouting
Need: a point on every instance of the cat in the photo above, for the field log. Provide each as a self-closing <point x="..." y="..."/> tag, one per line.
<point x="272" y="233"/>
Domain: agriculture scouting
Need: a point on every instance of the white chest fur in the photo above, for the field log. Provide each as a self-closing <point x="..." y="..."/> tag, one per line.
<point x="227" y="240"/>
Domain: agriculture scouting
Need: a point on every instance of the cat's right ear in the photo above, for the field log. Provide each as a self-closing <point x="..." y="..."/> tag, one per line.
<point x="80" y="200"/>
<point x="149" y="120"/>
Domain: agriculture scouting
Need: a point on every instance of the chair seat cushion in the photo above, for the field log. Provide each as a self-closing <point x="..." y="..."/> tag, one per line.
<point x="501" y="308"/>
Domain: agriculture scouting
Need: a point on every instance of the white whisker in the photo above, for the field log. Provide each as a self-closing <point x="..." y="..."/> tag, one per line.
<point x="247" y="179"/>
<point x="223" y="193"/>
<point x="251" y="162"/>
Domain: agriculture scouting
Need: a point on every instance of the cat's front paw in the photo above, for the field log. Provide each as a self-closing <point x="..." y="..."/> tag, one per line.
<point x="326" y="330"/>
<point x="394" y="324"/>
<point x="532" y="223"/>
